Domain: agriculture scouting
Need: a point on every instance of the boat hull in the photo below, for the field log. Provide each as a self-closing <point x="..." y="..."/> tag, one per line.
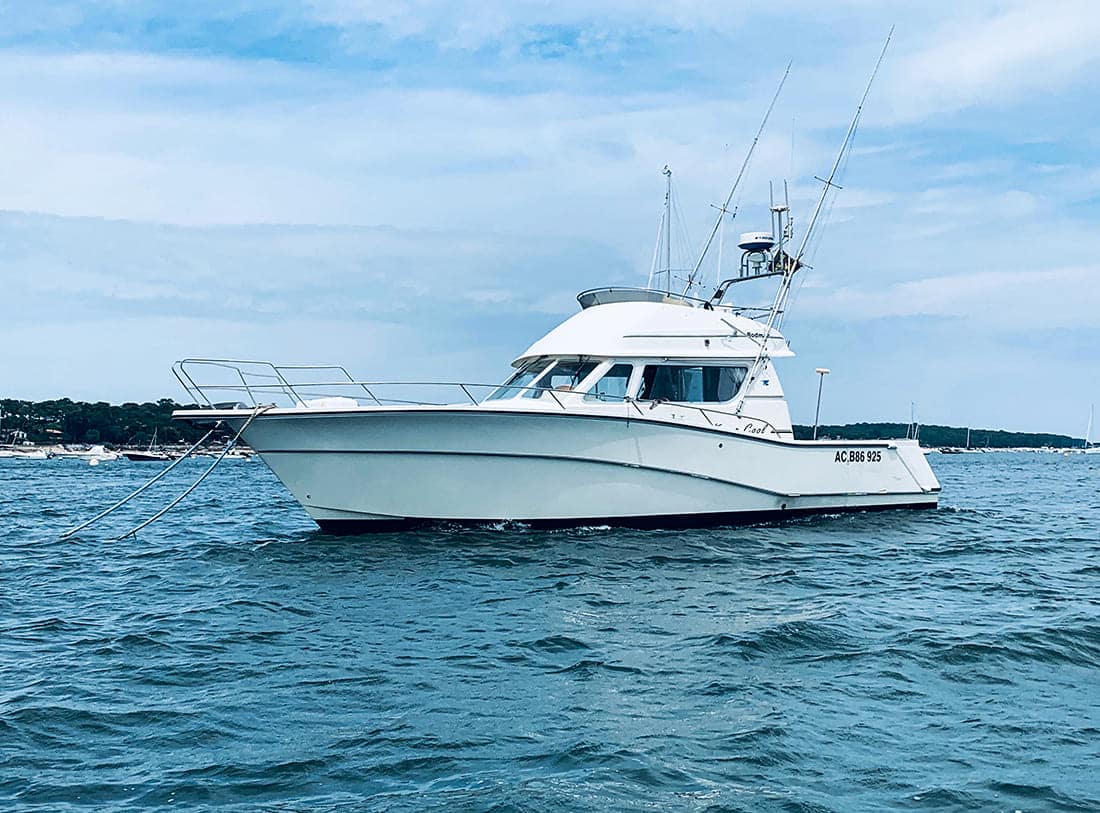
<point x="148" y="457"/>
<point x="378" y="469"/>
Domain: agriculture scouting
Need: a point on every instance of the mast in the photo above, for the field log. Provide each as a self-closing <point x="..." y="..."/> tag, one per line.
<point x="668" y="229"/>
<point x="792" y="264"/>
<point x="1088" y="429"/>
<point x="655" y="267"/>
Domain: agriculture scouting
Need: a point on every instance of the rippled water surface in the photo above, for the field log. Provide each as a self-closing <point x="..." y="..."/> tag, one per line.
<point x="231" y="656"/>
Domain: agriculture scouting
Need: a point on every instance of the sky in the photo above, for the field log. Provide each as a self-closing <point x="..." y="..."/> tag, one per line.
<point x="418" y="190"/>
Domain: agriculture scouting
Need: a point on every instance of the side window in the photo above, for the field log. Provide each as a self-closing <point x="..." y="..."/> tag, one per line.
<point x="728" y="381"/>
<point x="612" y="387"/>
<point x="691" y="383"/>
<point x="565" y="376"/>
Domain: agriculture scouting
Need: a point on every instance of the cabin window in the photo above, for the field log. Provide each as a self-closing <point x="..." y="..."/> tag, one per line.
<point x="564" y="376"/>
<point x="613" y="385"/>
<point x="521" y="378"/>
<point x="690" y="383"/>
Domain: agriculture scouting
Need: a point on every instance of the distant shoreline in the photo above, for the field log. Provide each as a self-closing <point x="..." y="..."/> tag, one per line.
<point x="936" y="436"/>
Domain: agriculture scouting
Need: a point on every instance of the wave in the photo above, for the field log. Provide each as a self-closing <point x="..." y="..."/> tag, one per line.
<point x="786" y="638"/>
<point x="1076" y="645"/>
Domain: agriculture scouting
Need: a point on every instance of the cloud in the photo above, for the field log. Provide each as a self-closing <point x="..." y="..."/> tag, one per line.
<point x="104" y="269"/>
<point x="498" y="20"/>
<point x="985" y="60"/>
<point x="106" y="306"/>
<point x="1005" y="300"/>
<point x="306" y="148"/>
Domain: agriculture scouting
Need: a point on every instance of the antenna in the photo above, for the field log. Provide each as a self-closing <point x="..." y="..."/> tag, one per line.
<point x="795" y="262"/>
<point x="724" y="210"/>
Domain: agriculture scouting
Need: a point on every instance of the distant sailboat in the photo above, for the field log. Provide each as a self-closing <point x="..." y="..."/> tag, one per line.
<point x="956" y="449"/>
<point x="150" y="455"/>
<point x="1090" y="448"/>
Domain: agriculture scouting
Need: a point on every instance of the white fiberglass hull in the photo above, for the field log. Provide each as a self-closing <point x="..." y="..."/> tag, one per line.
<point x="377" y="468"/>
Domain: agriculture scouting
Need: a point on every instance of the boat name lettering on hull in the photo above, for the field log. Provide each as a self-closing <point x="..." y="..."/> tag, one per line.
<point x="858" y="456"/>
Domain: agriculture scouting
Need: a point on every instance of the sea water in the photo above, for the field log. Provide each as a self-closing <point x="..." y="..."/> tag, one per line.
<point x="233" y="657"/>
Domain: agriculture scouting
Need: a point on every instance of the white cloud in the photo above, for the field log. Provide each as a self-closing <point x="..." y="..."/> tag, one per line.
<point x="308" y="149"/>
<point x="1004" y="300"/>
<point x="978" y="59"/>
<point x="954" y="205"/>
<point x="455" y="26"/>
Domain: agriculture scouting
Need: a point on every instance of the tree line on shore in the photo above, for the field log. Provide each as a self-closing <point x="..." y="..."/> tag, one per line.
<point x="941" y="436"/>
<point x="133" y="424"/>
<point x="68" y="421"/>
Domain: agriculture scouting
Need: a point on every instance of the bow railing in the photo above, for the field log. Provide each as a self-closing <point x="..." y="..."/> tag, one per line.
<point x="251" y="384"/>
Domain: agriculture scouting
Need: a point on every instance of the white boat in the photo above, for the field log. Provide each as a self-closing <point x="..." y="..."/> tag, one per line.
<point x="631" y="412"/>
<point x="24" y="453"/>
<point x="97" y="453"/>
<point x="646" y="408"/>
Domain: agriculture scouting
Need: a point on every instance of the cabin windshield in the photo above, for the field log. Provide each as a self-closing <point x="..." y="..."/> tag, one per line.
<point x="533" y="379"/>
<point x="523" y="377"/>
<point x="564" y="376"/>
<point x="690" y="383"/>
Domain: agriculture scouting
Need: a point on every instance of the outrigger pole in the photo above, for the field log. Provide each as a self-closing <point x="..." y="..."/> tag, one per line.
<point x="792" y="266"/>
<point x="724" y="210"/>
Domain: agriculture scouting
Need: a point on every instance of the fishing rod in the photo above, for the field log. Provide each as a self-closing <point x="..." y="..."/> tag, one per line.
<point x="781" y="296"/>
<point x="724" y="209"/>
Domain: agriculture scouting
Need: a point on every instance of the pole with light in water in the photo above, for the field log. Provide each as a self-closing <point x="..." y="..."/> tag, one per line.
<point x="821" y="371"/>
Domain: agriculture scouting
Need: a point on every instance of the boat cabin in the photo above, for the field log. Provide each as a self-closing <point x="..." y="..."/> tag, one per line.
<point x="672" y="353"/>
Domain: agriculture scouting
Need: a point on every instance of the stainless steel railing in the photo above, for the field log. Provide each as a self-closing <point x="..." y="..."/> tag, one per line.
<point x="259" y="381"/>
<point x="262" y="381"/>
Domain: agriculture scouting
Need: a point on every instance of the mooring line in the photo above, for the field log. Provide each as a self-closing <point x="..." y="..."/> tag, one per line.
<point x="133" y="494"/>
<point x="228" y="448"/>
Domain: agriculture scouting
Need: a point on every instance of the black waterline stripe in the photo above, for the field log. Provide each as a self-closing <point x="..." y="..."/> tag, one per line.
<point x="657" y="521"/>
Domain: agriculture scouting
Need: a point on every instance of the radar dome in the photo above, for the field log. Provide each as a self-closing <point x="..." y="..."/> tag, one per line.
<point x="756" y="241"/>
